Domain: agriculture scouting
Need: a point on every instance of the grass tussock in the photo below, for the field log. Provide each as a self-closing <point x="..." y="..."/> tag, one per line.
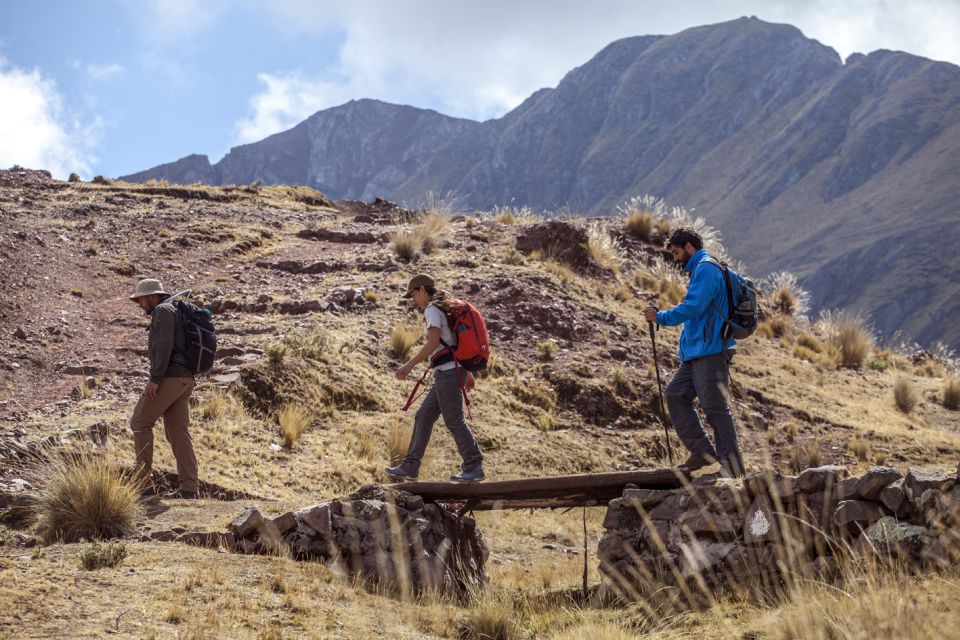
<point x="951" y="394"/>
<point x="398" y="439"/>
<point x="786" y="296"/>
<point x="402" y="340"/>
<point x="488" y="619"/>
<point x="515" y="215"/>
<point x="664" y="280"/>
<point x="406" y="244"/>
<point x="293" y="420"/>
<point x="604" y="248"/>
<point x="640" y="224"/>
<point x="774" y="327"/>
<point x="905" y="394"/>
<point x="432" y="230"/>
<point x="805" y="455"/>
<point x="86" y="498"/>
<point x="547" y="349"/>
<point x="99" y="556"/>
<point x="850" y="334"/>
<point x="645" y="216"/>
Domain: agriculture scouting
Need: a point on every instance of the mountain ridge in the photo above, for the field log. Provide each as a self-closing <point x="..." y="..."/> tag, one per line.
<point x="798" y="157"/>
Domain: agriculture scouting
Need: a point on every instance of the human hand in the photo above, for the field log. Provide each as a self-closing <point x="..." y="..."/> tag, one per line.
<point x="151" y="390"/>
<point x="403" y="371"/>
<point x="650" y="313"/>
<point x="469" y="382"/>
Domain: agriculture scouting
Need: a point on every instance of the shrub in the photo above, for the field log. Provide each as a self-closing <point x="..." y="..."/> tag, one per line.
<point x="850" y="334"/>
<point x="402" y="339"/>
<point x="406" y="244"/>
<point x="951" y="394"/>
<point x="86" y="497"/>
<point x="293" y="420"/>
<point x="786" y="296"/>
<point x="546" y="349"/>
<point x="604" y="248"/>
<point x="98" y="556"/>
<point x="904" y="394"/>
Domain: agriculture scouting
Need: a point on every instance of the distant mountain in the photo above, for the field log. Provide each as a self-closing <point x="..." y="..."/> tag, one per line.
<point x="846" y="173"/>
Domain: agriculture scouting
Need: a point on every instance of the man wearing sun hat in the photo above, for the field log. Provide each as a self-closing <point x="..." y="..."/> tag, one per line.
<point x="167" y="393"/>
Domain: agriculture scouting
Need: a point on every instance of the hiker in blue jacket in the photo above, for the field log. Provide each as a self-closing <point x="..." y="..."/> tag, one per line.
<point x="704" y="371"/>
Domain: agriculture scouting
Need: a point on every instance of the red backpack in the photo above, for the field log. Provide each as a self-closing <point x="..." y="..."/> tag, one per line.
<point x="472" y="350"/>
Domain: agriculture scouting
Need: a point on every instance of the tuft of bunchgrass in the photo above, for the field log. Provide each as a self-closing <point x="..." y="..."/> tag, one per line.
<point x="786" y="296"/>
<point x="98" y="556"/>
<point x="604" y="248"/>
<point x="431" y="231"/>
<point x="293" y="420"/>
<point x="489" y="618"/>
<point x="406" y="244"/>
<point x="850" y="334"/>
<point x="515" y="215"/>
<point x="904" y="394"/>
<point x="547" y="349"/>
<point x="86" y="498"/>
<point x="402" y="339"/>
<point x="398" y="439"/>
<point x="640" y="224"/>
<point x="951" y="393"/>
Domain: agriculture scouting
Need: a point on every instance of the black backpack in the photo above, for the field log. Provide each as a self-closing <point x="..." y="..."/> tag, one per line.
<point x="743" y="313"/>
<point x="200" y="337"/>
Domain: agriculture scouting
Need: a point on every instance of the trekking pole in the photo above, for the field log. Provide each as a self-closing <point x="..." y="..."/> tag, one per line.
<point x="663" y="417"/>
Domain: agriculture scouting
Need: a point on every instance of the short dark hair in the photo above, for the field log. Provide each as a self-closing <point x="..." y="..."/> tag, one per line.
<point x="682" y="236"/>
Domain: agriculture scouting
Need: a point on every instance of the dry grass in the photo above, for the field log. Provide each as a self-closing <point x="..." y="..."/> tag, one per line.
<point x="293" y="420"/>
<point x="86" y="498"/>
<point x="804" y="455"/>
<point x="774" y="327"/>
<point x="640" y="224"/>
<point x="406" y="244"/>
<point x="402" y="339"/>
<point x="860" y="447"/>
<point x="99" y="556"/>
<point x="398" y="439"/>
<point x="951" y="393"/>
<point x="515" y="215"/>
<point x="665" y="280"/>
<point x="489" y="619"/>
<point x="431" y="231"/>
<point x="604" y="248"/>
<point x="562" y="271"/>
<point x="850" y="334"/>
<point x="905" y="394"/>
<point x="785" y="294"/>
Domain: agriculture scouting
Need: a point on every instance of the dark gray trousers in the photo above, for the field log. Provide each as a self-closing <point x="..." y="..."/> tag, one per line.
<point x="444" y="398"/>
<point x="707" y="379"/>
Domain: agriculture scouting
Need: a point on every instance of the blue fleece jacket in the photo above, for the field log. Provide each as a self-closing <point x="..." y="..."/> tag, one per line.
<point x="701" y="320"/>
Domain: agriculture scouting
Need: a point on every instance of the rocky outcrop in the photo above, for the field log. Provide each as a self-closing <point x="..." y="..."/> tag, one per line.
<point x="749" y="535"/>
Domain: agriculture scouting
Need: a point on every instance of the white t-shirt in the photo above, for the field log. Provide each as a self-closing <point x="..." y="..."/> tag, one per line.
<point x="434" y="317"/>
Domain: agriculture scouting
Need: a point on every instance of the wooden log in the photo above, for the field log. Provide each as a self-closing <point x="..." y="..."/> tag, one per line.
<point x="549" y="492"/>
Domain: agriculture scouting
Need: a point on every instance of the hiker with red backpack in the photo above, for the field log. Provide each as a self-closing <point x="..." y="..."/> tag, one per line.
<point x="456" y="346"/>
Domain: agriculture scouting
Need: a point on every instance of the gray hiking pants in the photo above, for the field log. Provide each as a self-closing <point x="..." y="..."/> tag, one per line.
<point x="444" y="398"/>
<point x="707" y="379"/>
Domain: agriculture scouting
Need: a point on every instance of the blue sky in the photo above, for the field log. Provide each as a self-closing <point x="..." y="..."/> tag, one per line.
<point x="112" y="87"/>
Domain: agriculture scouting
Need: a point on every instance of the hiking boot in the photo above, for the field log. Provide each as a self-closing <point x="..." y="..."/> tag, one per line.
<point x="697" y="461"/>
<point x="401" y="473"/>
<point x="180" y="494"/>
<point x="469" y="475"/>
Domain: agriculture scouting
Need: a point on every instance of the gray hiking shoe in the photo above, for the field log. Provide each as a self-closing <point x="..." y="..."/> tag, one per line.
<point x="469" y="475"/>
<point x="400" y="472"/>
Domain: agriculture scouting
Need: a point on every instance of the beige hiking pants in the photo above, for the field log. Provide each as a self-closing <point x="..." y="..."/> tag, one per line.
<point x="173" y="403"/>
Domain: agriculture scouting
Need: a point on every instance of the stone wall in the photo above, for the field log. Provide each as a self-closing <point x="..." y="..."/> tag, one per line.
<point x="752" y="534"/>
<point x="388" y="538"/>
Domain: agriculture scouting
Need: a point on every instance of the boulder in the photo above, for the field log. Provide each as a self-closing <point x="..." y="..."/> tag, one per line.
<point x="770" y="483"/>
<point x="822" y="478"/>
<point x="846" y="489"/>
<point x="894" y="497"/>
<point x="887" y="536"/>
<point x="645" y="498"/>
<point x="621" y="516"/>
<point x="876" y="480"/>
<point x="317" y="517"/>
<point x="284" y="522"/>
<point x="565" y="241"/>
<point x="917" y="481"/>
<point x="704" y="557"/>
<point x="722" y="527"/>
<point x="854" y="516"/>
<point x="247" y="524"/>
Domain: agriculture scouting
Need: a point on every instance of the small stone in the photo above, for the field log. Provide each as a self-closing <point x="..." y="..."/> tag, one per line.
<point x="876" y="480"/>
<point x="19" y="333"/>
<point x="894" y="497"/>
<point x="917" y="481"/>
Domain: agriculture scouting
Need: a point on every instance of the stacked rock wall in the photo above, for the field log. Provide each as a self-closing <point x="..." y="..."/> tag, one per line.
<point x="751" y="534"/>
<point x="389" y="538"/>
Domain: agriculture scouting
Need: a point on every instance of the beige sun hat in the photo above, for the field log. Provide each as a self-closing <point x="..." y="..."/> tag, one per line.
<point x="147" y="287"/>
<point x="417" y="281"/>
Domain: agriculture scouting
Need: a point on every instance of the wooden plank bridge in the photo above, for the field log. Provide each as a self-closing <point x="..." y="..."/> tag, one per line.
<point x="550" y="492"/>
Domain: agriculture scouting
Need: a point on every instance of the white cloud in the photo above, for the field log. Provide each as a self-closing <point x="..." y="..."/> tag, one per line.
<point x="479" y="60"/>
<point x="35" y="129"/>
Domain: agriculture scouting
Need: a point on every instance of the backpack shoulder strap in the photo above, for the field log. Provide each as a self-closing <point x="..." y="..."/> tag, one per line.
<point x="726" y="280"/>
